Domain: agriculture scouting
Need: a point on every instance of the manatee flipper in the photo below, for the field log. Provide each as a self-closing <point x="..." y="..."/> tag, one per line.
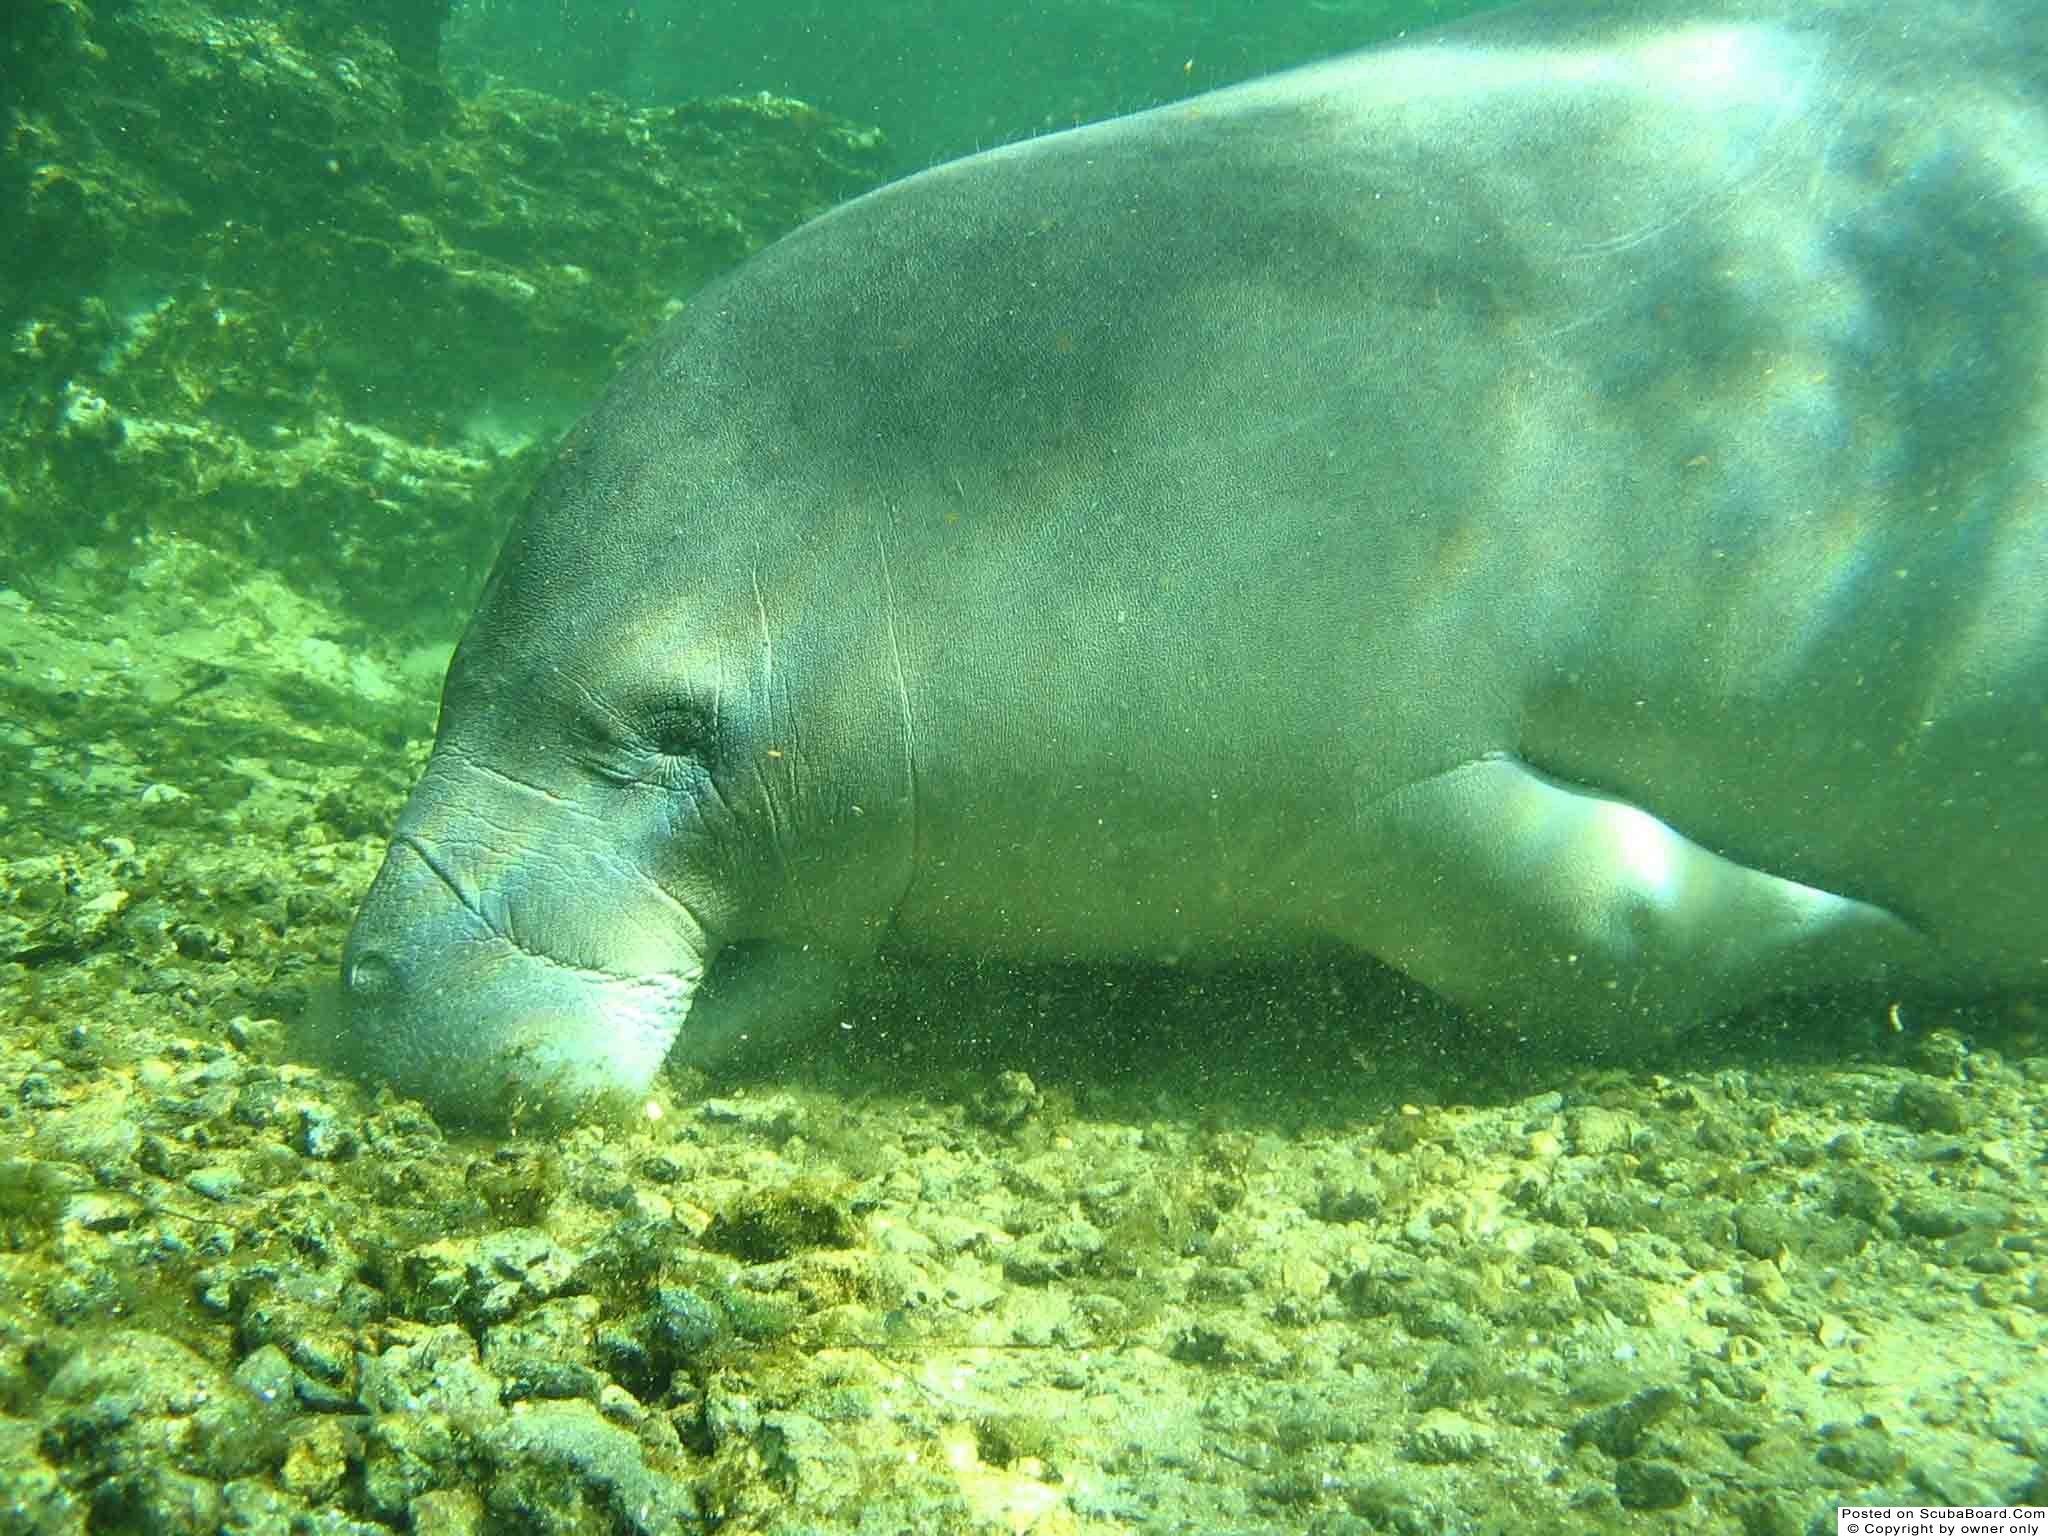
<point x="1518" y="886"/>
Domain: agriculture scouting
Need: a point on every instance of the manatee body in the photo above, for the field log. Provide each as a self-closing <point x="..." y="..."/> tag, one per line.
<point x="1559" y="505"/>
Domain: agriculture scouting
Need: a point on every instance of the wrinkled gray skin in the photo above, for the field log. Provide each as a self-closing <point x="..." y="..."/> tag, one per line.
<point x="1557" y="505"/>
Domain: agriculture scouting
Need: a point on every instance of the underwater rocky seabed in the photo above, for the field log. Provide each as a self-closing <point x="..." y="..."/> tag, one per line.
<point x="1001" y="1255"/>
<point x="970" y="1264"/>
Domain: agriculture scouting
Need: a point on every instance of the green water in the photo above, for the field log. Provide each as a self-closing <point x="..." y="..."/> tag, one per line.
<point x="940" y="77"/>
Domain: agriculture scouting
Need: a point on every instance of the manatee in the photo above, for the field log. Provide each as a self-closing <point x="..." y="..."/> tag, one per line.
<point x="1558" y="505"/>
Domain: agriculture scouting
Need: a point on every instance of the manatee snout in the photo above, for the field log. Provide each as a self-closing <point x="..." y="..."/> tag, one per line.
<point x="442" y="997"/>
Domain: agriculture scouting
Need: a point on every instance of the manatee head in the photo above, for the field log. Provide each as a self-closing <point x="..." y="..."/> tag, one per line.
<point x="667" y="734"/>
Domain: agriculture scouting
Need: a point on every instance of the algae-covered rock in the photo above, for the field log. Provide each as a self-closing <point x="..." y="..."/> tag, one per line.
<point x="37" y="1502"/>
<point x="483" y="1279"/>
<point x="564" y="1467"/>
<point x="769" y="1224"/>
<point x="270" y="284"/>
<point x="148" y="1428"/>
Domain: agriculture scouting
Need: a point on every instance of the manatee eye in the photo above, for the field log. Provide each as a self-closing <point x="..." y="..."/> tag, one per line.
<point x="679" y="728"/>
